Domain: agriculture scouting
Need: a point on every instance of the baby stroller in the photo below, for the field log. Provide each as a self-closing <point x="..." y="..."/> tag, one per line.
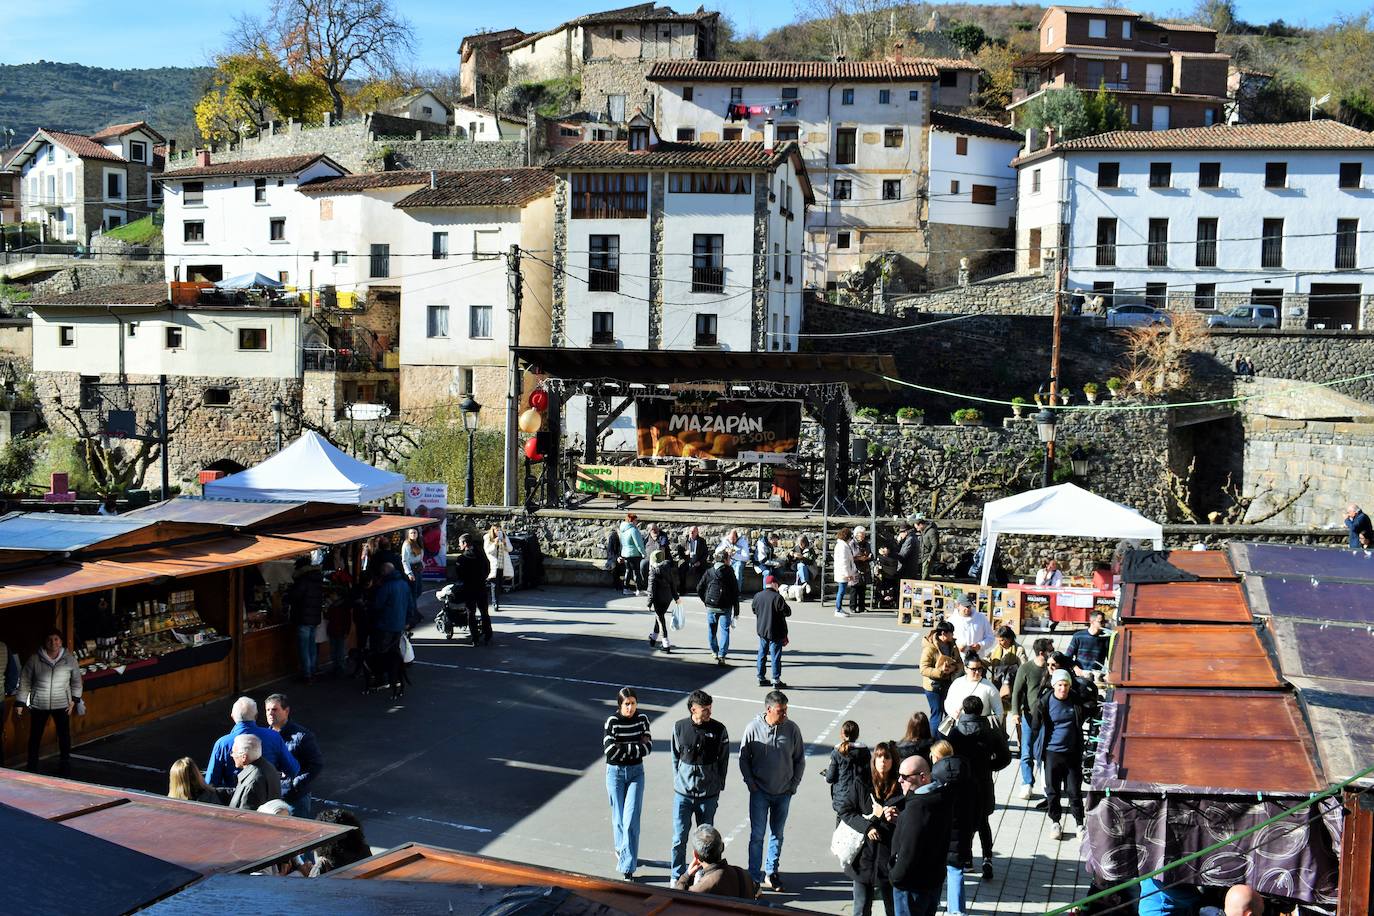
<point x="453" y="611"/>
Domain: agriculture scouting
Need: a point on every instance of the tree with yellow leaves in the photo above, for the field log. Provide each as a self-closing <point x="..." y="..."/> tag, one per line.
<point x="251" y="88"/>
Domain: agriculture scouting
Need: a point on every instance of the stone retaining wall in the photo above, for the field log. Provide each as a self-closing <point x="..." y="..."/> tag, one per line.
<point x="1337" y="459"/>
<point x="1008" y="294"/>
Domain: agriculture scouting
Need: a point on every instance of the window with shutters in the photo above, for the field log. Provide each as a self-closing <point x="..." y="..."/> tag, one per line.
<point x="985" y="194"/>
<point x="961" y="146"/>
<point x="379" y="264"/>
<point x="1206" y="242"/>
<point x="603" y="265"/>
<point x="710" y="183"/>
<point x="193" y="194"/>
<point x="610" y="196"/>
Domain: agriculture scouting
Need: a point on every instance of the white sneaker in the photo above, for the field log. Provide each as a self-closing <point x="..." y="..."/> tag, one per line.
<point x="1025" y="792"/>
<point x="1056" y="831"/>
<point x="841" y="614"/>
<point x="625" y="592"/>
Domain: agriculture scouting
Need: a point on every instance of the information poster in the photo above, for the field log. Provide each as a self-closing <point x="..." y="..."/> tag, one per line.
<point x="429" y="500"/>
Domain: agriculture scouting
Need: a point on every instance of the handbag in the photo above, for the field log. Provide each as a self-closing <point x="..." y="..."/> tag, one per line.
<point x="407" y="650"/>
<point x="845" y="843"/>
<point x="679" y="617"/>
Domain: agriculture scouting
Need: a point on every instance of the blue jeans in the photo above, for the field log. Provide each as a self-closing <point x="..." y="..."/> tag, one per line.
<point x="803" y="573"/>
<point x="338" y="652"/>
<point x="684" y="811"/>
<point x="864" y="894"/>
<point x="769" y="649"/>
<point x="766" y="813"/>
<point x="936" y="699"/>
<point x="625" y="787"/>
<point x="839" y="596"/>
<point x="302" y="807"/>
<point x="1028" y="737"/>
<point x="738" y="567"/>
<point x="305" y="644"/>
<point x="954" y="890"/>
<point x="718" y="622"/>
<point x="915" y="903"/>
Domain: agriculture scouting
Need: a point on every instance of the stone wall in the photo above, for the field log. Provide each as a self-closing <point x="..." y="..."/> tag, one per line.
<point x="82" y="275"/>
<point x="605" y="77"/>
<point x="452" y="154"/>
<point x="1305" y="356"/>
<point x="949" y="243"/>
<point x="1336" y="458"/>
<point x="1007" y="294"/>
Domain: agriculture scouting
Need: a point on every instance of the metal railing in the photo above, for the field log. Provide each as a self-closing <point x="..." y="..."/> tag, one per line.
<point x="708" y="279"/>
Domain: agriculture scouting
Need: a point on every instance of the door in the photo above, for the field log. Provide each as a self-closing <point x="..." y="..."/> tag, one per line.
<point x="1035" y="235"/>
<point x="1334" y="306"/>
<point x="1154" y="77"/>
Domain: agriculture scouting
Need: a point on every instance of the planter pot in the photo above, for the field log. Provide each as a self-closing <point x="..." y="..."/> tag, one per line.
<point x="1064" y="399"/>
<point x="1113" y="393"/>
<point x="1139" y="385"/>
<point x="866" y="421"/>
<point x="968" y="422"/>
<point x="1092" y="398"/>
<point x="910" y="421"/>
<point x="1018" y="412"/>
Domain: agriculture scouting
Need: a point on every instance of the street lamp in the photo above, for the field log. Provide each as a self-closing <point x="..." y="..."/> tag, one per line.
<point x="1044" y="426"/>
<point x="278" y="417"/>
<point x="469" y="409"/>
<point x="1079" y="459"/>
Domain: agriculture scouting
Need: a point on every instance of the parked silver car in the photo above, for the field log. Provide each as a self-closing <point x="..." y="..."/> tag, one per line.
<point x="1137" y="316"/>
<point x="1246" y="316"/>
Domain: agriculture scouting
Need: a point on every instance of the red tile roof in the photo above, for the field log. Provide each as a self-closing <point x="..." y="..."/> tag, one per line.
<point x="278" y="165"/>
<point x="705" y="71"/>
<point x="119" y="130"/>
<point x="366" y="181"/>
<point x="80" y="145"/>
<point x="482" y="188"/>
<point x="1299" y="135"/>
<point x="642" y="12"/>
<point x="616" y="154"/>
<point x="151" y="294"/>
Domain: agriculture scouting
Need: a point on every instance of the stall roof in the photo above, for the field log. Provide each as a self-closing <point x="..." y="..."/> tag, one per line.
<point x="1205" y="564"/>
<point x="1190" y="655"/>
<point x="97" y="877"/>
<point x="353" y="528"/>
<point x="861" y="371"/>
<point x="234" y="513"/>
<point x="68" y="579"/>
<point x="60" y="531"/>
<point x="209" y="556"/>
<point x="1184" y="602"/>
<point x="1321" y="563"/>
<point x="207" y="839"/>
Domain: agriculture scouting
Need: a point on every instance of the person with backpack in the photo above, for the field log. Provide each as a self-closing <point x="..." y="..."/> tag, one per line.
<point x="848" y="761"/>
<point x="984" y="748"/>
<point x="718" y="589"/>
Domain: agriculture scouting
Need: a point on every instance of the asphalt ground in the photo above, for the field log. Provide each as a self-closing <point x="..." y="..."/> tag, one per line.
<point x="497" y="749"/>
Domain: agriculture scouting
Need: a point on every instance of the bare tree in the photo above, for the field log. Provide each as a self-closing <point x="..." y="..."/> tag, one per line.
<point x="117" y="465"/>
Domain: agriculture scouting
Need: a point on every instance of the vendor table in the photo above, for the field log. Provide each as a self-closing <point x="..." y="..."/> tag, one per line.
<point x="1062" y="605"/>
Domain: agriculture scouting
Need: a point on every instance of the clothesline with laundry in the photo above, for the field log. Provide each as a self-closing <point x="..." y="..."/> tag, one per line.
<point x="738" y="111"/>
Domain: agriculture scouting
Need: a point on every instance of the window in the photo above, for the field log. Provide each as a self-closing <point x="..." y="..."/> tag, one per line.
<point x="486" y="244"/>
<point x="436" y="321"/>
<point x="736" y="95"/>
<point x="639" y="138"/>
<point x="252" y="338"/>
<point x="603" y="265"/>
<point x="1126" y="29"/>
<point x="954" y="187"/>
<point x="1035" y="181"/>
<point x="1157" y="248"/>
<point x="1209" y="174"/>
<point x="1351" y="174"/>
<point x="844" y="189"/>
<point x="688" y="93"/>
<point x="276" y="229"/>
<point x="1347" y="240"/>
<point x="1206" y="242"/>
<point x="708" y="271"/>
<point x="913" y="95"/>
<point x="114" y="186"/>
<point x="466" y="381"/>
<point x="1159" y="117"/>
<point x="479" y="322"/>
<point x="1108" y="174"/>
<point x="472" y="128"/>
<point x="884" y="96"/>
<point x="194" y="194"/>
<point x="603" y="329"/>
<point x="193" y="231"/>
<point x="610" y="196"/>
<point x="706" y="330"/>
<point x="777" y="261"/>
<point x="1049" y="36"/>
<point x="985" y="194"/>
<point x="732" y="134"/>
<point x="438" y="246"/>
<point x="846" y="96"/>
<point x="788" y="132"/>
<point x="892" y="189"/>
<point x="615" y="107"/>
<point x="892" y="137"/>
<point x="710" y="183"/>
<point x="380" y="261"/>
<point x="138" y="151"/>
<point x="1135" y="113"/>
<point x="789" y="93"/>
<point x="1164" y="40"/>
<point x="215" y="397"/>
<point x="569" y="132"/>
<point x="114" y="221"/>
<point x="1209" y="117"/>
<point x="259" y="190"/>
<point x="1156" y="295"/>
<point x="1276" y="174"/>
<point x="686" y="134"/>
<point x="1271" y="243"/>
<point x="1097" y="28"/>
<point x="949" y="79"/>
<point x="88" y="395"/>
<point x="1161" y="174"/>
<point x="842" y="240"/>
<point x="1205" y="296"/>
<point x="172" y="338"/>
<point x="340" y="257"/>
<point x="619" y="34"/>
<point x="1106" y="242"/>
<point x="71" y="186"/>
<point x="961" y="146"/>
<point x="844" y="146"/>
<point x="66" y="335"/>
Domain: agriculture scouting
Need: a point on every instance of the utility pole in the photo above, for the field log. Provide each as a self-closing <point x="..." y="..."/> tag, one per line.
<point x="162" y="431"/>
<point x="512" y="457"/>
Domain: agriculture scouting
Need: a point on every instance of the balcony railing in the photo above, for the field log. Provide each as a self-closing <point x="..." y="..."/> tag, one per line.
<point x="1345" y="255"/>
<point x="708" y="279"/>
<point x="1106" y="255"/>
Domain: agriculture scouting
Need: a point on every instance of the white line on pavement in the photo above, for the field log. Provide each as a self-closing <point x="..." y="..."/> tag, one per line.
<point x="120" y="763"/>
<point x="603" y="608"/>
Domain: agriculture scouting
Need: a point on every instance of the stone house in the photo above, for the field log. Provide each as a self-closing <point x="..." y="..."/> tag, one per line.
<point x="482" y="67"/>
<point x="1209" y="218"/>
<point x="76" y="185"/>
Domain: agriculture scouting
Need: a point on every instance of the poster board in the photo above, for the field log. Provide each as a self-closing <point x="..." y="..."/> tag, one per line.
<point x="760" y="430"/>
<point x="429" y="500"/>
<point x="920" y="602"/>
<point x="622" y="480"/>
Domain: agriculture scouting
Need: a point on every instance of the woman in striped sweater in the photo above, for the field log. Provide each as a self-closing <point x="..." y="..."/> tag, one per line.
<point x="626" y="744"/>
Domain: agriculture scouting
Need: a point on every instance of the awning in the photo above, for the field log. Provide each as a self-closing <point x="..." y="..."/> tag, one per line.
<point x="1321" y="564"/>
<point x="212" y="556"/>
<point x="49" y="582"/>
<point x="1190" y="655"/>
<point x="353" y="528"/>
<point x="235" y="513"/>
<point x="58" y="531"/>
<point x="1184" y="602"/>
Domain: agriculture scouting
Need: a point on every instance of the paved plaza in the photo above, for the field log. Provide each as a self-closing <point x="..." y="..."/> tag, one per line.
<point x="497" y="749"/>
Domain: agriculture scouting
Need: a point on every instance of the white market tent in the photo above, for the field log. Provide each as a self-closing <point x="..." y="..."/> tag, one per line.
<point x="1064" y="511"/>
<point x="309" y="470"/>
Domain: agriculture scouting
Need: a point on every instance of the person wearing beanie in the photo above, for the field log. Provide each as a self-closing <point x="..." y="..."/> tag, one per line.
<point x="771" y="613"/>
<point x="1060" y="717"/>
<point x="662" y="593"/>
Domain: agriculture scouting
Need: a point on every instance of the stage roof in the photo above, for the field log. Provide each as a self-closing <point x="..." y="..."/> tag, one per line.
<point x="861" y="371"/>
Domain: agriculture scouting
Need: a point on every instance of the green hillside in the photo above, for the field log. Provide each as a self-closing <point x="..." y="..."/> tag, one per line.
<point x="84" y="99"/>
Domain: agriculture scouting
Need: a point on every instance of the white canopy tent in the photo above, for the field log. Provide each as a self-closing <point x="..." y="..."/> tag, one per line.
<point x="1065" y="511"/>
<point x="309" y="469"/>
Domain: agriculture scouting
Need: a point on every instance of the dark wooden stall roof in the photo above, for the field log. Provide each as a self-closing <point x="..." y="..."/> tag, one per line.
<point x="352" y="528"/>
<point x="1190" y="655"/>
<point x="1184" y="602"/>
<point x="1205" y="564"/>
<point x="46" y="582"/>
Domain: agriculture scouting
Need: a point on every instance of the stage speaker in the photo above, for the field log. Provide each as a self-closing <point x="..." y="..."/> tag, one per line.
<point x="858" y="450"/>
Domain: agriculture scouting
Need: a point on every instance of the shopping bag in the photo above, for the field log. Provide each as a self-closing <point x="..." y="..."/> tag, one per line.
<point x="679" y="617"/>
<point x="845" y="843"/>
<point x="407" y="650"/>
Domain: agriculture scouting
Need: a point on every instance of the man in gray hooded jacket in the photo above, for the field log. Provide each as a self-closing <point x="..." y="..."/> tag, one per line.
<point x="701" y="760"/>
<point x="772" y="758"/>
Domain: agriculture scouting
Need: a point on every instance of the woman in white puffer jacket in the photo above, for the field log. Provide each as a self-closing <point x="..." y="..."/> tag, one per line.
<point x="846" y="571"/>
<point x="49" y="687"/>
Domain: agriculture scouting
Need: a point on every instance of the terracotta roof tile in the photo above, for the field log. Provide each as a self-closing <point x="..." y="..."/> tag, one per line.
<point x="119" y="130"/>
<point x="1297" y="135"/>
<point x="115" y="294"/>
<point x="977" y="127"/>
<point x="482" y="188"/>
<point x="885" y="71"/>
<point x="366" y="181"/>
<point x="667" y="155"/>
<point x="642" y="12"/>
<point x="1093" y="10"/>
<point x="278" y="165"/>
<point x="82" y="146"/>
<point x="948" y="63"/>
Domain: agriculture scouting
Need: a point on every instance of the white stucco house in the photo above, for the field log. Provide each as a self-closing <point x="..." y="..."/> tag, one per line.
<point x="482" y="125"/>
<point x="1209" y="217"/>
<point x="971" y="192"/>
<point x="424" y="105"/>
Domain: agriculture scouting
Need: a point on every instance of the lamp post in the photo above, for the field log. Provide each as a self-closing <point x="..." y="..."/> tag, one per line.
<point x="278" y="417"/>
<point x="469" y="408"/>
<point x="1079" y="459"/>
<point x="1044" y="426"/>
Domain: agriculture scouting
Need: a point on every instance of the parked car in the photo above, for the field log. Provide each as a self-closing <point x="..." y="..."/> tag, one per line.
<point x="1137" y="316"/>
<point x="1246" y="316"/>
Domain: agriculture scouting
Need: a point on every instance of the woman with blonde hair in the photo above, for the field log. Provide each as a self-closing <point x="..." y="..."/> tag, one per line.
<point x="185" y="781"/>
<point x="497" y="547"/>
<point x="413" y="560"/>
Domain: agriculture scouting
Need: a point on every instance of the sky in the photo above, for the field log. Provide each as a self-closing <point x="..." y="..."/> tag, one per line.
<point x="98" y="33"/>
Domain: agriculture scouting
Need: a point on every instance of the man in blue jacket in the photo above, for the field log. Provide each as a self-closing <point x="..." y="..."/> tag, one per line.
<point x="222" y="773"/>
<point x="1357" y="524"/>
<point x="300" y="741"/>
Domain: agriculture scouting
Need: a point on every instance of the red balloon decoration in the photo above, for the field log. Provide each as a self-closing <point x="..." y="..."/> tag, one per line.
<point x="532" y="450"/>
<point x="539" y="399"/>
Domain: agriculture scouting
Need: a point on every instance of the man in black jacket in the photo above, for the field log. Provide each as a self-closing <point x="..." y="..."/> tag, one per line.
<point x="909" y="550"/>
<point x="919" y="841"/>
<point x="771" y="613"/>
<point x="470" y="570"/>
<point x="305" y="598"/>
<point x="982" y="746"/>
<point x="692" y="557"/>
<point x="718" y="589"/>
<point x="300" y="741"/>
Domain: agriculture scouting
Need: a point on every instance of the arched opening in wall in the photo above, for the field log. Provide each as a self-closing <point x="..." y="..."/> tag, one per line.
<point x="226" y="466"/>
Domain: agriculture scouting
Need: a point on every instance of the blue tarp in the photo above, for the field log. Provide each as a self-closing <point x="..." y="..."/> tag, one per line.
<point x="249" y="281"/>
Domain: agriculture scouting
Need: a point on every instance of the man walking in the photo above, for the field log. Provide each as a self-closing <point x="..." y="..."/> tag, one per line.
<point x="223" y="772"/>
<point x="772" y="758"/>
<point x="930" y="544"/>
<point x="920" y="841"/>
<point x="1025" y="691"/>
<point x="909" y="550"/>
<point x="1088" y="648"/>
<point x="718" y="589"/>
<point x="771" y="613"/>
<point x="701" y="759"/>
<point x="300" y="741"/>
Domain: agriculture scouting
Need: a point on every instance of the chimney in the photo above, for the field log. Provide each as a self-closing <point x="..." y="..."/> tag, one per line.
<point x="897" y="50"/>
<point x="433" y="180"/>
<point x="202" y="157"/>
<point x="769" y="136"/>
<point x="1049" y="137"/>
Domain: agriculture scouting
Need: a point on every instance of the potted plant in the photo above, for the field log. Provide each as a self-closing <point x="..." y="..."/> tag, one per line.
<point x="1018" y="406"/>
<point x="1114" y="386"/>
<point x="1090" y="390"/>
<point x="866" y="415"/>
<point x="1065" y="395"/>
<point x="910" y="416"/>
<point x="967" y="416"/>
